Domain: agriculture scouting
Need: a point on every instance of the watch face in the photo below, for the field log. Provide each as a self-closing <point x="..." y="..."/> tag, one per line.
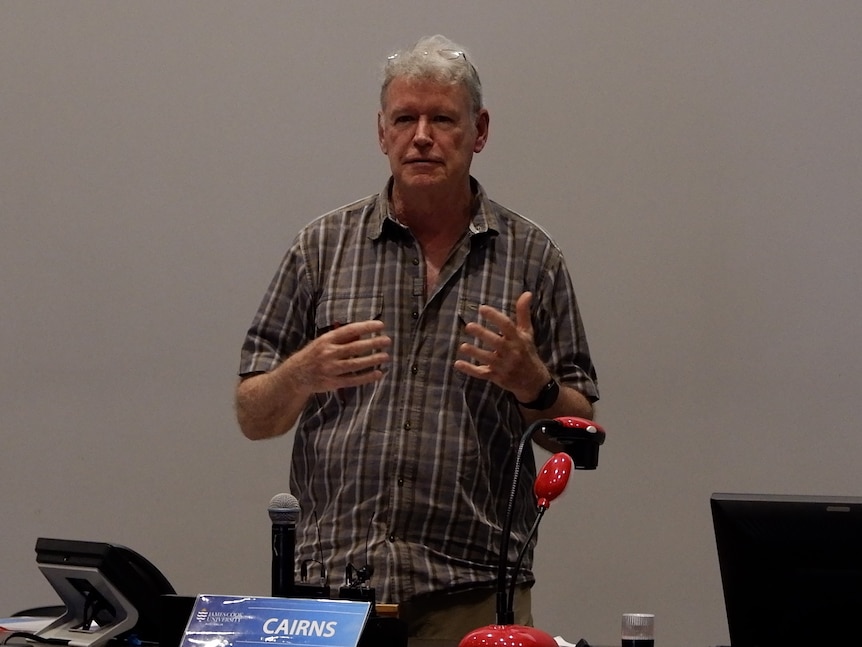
<point x="550" y="394"/>
<point x="547" y="397"/>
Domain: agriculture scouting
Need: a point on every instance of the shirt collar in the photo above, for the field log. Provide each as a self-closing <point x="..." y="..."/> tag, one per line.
<point x="484" y="221"/>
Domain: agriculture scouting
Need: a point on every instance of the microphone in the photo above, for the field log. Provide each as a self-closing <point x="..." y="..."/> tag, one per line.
<point x="283" y="512"/>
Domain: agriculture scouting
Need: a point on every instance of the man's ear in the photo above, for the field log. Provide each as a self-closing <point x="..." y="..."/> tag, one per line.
<point x="482" y="121"/>
<point x="380" y="139"/>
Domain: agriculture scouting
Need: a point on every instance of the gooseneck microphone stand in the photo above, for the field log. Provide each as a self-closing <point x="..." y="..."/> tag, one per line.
<point x="506" y="616"/>
<point x="580" y="439"/>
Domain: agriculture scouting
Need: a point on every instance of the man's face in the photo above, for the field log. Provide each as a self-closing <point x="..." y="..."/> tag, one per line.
<point x="429" y="133"/>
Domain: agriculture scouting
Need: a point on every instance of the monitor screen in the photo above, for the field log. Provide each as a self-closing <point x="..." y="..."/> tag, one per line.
<point x="791" y="568"/>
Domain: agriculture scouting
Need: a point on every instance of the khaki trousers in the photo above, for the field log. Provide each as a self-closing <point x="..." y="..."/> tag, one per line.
<point x="451" y="616"/>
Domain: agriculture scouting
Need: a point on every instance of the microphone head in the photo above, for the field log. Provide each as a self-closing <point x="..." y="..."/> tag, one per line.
<point x="552" y="479"/>
<point x="580" y="439"/>
<point x="283" y="509"/>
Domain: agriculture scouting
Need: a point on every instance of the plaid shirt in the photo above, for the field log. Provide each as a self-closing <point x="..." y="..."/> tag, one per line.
<point x="412" y="474"/>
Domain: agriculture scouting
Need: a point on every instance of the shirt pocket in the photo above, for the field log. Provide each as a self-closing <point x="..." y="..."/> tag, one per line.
<point x="468" y="310"/>
<point x="336" y="310"/>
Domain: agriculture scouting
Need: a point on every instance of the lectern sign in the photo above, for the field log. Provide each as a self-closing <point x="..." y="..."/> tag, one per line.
<point x="236" y="621"/>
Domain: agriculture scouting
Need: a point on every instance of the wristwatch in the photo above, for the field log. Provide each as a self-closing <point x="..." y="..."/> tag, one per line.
<point x="547" y="397"/>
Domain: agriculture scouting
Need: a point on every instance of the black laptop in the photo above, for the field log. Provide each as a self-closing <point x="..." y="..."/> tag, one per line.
<point x="791" y="568"/>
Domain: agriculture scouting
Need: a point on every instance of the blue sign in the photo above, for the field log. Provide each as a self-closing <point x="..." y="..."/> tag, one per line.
<point x="236" y="621"/>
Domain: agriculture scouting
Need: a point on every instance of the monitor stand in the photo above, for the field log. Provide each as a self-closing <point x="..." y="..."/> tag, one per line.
<point x="96" y="611"/>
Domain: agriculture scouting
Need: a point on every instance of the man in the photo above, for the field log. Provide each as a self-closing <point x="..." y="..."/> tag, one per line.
<point x="414" y="335"/>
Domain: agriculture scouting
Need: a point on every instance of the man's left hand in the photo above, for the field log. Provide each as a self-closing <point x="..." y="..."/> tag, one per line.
<point x="505" y="352"/>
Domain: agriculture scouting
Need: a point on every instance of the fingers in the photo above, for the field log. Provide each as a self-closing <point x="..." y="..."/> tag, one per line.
<point x="355" y="365"/>
<point x="343" y="333"/>
<point x="352" y="354"/>
<point x="481" y="357"/>
<point x="504" y="347"/>
<point x="498" y="324"/>
<point x="359" y="337"/>
<point x="481" y="371"/>
<point x="523" y="315"/>
<point x="358" y="379"/>
<point x="358" y="351"/>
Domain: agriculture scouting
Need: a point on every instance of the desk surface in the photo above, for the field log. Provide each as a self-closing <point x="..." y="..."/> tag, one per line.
<point x="412" y="642"/>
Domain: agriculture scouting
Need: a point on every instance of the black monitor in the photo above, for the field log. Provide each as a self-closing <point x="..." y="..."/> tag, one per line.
<point x="791" y="568"/>
<point x="109" y="591"/>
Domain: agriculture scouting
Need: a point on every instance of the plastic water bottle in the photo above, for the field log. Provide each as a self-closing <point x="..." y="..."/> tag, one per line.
<point x="638" y="630"/>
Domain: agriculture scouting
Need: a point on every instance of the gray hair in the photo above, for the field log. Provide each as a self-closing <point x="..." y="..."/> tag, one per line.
<point x="436" y="58"/>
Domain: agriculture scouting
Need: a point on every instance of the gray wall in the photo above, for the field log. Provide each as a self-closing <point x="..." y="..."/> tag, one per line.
<point x="698" y="162"/>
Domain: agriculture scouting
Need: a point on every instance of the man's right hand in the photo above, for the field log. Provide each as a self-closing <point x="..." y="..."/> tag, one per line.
<point x="345" y="356"/>
<point x="268" y="404"/>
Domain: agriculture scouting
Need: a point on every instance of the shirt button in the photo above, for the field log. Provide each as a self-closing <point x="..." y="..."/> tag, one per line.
<point x="400" y="482"/>
<point x="414" y="369"/>
<point x="416" y="261"/>
<point x="391" y="538"/>
<point x="414" y="314"/>
<point x="407" y="426"/>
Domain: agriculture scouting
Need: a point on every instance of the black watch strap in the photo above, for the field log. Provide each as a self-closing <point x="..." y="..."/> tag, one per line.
<point x="547" y="397"/>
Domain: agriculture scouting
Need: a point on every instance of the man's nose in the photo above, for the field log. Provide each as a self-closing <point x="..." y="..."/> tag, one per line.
<point x="422" y="136"/>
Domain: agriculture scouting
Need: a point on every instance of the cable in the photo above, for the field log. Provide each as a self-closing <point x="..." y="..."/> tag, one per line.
<point x="324" y="578"/>
<point x="510" y="604"/>
<point x="504" y="615"/>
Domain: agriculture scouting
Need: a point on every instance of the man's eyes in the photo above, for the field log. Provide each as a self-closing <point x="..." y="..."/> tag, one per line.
<point x="437" y="119"/>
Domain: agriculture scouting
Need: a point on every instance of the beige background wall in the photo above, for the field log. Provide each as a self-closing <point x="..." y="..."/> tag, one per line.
<point x="698" y="162"/>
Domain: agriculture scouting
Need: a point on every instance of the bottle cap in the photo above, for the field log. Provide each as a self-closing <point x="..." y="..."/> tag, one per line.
<point x="638" y="625"/>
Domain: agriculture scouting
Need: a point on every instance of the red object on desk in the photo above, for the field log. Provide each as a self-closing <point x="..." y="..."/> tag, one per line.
<point x="507" y="636"/>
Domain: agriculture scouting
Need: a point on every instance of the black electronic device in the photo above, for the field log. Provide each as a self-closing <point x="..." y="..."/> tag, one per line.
<point x="109" y="591"/>
<point x="791" y="568"/>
